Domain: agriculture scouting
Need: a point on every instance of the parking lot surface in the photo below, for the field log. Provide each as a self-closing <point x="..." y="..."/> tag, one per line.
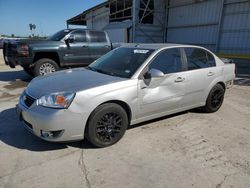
<point x="189" y="149"/>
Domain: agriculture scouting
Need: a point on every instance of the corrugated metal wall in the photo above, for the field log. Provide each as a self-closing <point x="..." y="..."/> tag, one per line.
<point x="235" y="28"/>
<point x="222" y="26"/>
<point x="98" y="19"/>
<point x="193" y="23"/>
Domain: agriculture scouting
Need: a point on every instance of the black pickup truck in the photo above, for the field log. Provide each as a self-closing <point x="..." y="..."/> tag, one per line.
<point x="65" y="49"/>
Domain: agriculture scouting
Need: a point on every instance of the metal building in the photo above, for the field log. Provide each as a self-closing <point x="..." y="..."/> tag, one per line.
<point x="220" y="25"/>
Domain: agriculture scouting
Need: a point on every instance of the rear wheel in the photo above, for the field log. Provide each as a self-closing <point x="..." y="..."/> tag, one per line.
<point x="215" y="98"/>
<point x="45" y="66"/>
<point x="106" y="125"/>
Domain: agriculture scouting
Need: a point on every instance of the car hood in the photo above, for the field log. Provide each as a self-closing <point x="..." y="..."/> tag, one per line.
<point x="37" y="42"/>
<point x="71" y="80"/>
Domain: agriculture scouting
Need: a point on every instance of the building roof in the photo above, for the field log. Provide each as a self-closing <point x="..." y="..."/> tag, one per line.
<point x="80" y="19"/>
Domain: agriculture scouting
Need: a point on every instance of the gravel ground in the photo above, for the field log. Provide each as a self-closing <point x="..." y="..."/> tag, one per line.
<point x="188" y="149"/>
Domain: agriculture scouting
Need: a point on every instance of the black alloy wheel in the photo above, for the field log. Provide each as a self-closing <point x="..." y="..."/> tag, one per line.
<point x="106" y="125"/>
<point x="109" y="126"/>
<point x="214" y="99"/>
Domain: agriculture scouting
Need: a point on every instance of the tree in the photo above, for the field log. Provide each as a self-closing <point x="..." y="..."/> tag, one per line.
<point x="32" y="27"/>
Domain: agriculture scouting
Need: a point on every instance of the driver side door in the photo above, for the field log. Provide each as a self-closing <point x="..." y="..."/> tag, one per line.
<point x="158" y="96"/>
<point x="77" y="52"/>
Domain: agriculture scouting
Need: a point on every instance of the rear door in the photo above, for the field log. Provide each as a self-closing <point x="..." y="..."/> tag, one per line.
<point x="201" y="71"/>
<point x="164" y="94"/>
<point x="98" y="44"/>
<point x="77" y="53"/>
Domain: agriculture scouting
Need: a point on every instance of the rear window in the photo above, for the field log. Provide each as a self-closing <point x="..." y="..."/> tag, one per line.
<point x="97" y="36"/>
<point x="198" y="58"/>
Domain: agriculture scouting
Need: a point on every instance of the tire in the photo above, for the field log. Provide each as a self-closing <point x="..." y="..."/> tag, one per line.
<point x="106" y="125"/>
<point x="29" y="71"/>
<point x="45" y="66"/>
<point x="214" y="99"/>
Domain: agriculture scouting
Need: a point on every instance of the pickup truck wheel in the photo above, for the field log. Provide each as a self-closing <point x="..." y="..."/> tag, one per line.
<point x="214" y="99"/>
<point x="106" y="125"/>
<point x="29" y="71"/>
<point x="45" y="66"/>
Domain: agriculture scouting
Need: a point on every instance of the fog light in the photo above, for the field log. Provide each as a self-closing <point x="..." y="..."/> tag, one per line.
<point x="50" y="134"/>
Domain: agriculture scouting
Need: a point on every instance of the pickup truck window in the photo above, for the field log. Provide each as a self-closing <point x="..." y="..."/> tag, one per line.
<point x="198" y="58"/>
<point x="97" y="36"/>
<point x="79" y="36"/>
<point x="121" y="62"/>
<point x="168" y="61"/>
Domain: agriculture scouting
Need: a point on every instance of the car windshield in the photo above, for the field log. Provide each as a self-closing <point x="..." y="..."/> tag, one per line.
<point x="59" y="35"/>
<point x="121" y="62"/>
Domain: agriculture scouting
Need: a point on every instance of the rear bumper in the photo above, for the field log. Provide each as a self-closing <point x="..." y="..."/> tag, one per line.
<point x="229" y="84"/>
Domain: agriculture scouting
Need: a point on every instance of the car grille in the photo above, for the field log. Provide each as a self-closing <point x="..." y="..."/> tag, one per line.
<point x="10" y="49"/>
<point x="28" y="100"/>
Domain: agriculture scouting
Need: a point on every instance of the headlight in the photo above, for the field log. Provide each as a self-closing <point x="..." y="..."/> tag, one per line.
<point x="23" y="49"/>
<point x="56" y="100"/>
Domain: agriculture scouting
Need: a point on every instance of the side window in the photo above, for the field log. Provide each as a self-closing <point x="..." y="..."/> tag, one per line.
<point x="168" y="61"/>
<point x="198" y="58"/>
<point x="79" y="36"/>
<point x="97" y="36"/>
<point x="211" y="60"/>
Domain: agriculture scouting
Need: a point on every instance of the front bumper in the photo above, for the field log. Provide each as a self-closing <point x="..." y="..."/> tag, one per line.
<point x="37" y="119"/>
<point x="14" y="61"/>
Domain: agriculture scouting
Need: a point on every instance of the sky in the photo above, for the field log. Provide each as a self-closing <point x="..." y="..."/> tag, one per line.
<point x="49" y="16"/>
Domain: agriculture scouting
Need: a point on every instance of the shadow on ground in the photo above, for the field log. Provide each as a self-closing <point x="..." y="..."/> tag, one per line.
<point x="14" y="75"/>
<point x="242" y="81"/>
<point x="162" y="118"/>
<point x="14" y="134"/>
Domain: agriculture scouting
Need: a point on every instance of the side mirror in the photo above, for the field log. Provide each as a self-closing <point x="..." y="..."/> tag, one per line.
<point x="153" y="73"/>
<point x="68" y="40"/>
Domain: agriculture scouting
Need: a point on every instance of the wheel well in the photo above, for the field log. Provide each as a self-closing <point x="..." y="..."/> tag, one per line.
<point x="124" y="105"/>
<point x="50" y="55"/>
<point x="222" y="84"/>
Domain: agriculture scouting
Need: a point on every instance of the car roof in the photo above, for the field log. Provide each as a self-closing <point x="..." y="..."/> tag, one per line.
<point x="156" y="46"/>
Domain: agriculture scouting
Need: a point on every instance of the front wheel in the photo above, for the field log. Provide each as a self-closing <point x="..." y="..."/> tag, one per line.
<point x="106" y="125"/>
<point x="214" y="99"/>
<point x="45" y="66"/>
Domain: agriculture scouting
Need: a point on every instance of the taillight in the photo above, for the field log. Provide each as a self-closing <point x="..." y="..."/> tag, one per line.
<point x="235" y="69"/>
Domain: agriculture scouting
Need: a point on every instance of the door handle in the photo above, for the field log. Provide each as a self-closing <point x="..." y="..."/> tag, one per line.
<point x="106" y="46"/>
<point x="144" y="87"/>
<point x="179" y="79"/>
<point x="85" y="46"/>
<point x="210" y="74"/>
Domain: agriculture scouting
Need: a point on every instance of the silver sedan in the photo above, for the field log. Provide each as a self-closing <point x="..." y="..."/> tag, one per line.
<point x="128" y="85"/>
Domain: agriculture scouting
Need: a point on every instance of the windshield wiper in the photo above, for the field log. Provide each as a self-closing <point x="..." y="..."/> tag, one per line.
<point x="91" y="68"/>
<point x="104" y="72"/>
